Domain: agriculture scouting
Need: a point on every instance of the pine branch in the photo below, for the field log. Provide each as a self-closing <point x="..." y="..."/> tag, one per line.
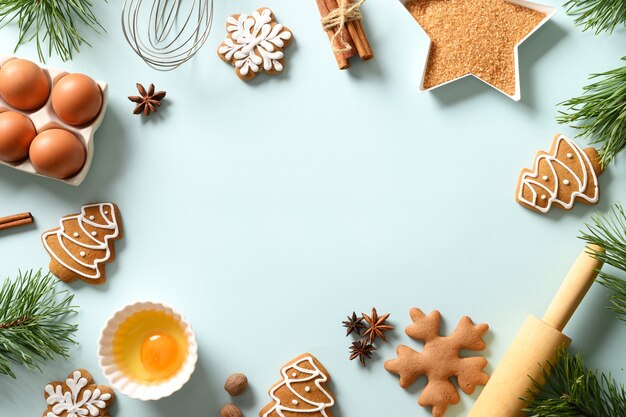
<point x="32" y="326"/>
<point x="574" y="391"/>
<point x="600" y="15"/>
<point x="618" y="299"/>
<point x="50" y="22"/>
<point x="600" y="112"/>
<point x="609" y="232"/>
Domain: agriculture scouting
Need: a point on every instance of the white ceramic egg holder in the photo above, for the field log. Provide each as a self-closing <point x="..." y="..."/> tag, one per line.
<point x="45" y="118"/>
<point x="548" y="11"/>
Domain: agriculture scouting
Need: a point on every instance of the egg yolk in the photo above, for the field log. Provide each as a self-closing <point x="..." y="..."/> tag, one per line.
<point x="160" y="354"/>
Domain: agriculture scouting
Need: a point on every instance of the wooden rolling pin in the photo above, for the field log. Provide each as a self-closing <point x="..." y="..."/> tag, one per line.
<point x="536" y="344"/>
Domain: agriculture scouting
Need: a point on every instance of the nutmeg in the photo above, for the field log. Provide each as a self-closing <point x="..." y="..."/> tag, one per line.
<point x="236" y="384"/>
<point x="230" y="410"/>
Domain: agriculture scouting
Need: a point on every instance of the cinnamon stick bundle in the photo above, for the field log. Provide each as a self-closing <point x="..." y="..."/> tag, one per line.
<point x="15" y="220"/>
<point x="351" y="39"/>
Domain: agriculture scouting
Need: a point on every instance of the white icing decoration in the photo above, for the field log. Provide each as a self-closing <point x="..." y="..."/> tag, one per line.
<point x="566" y="182"/>
<point x="82" y="253"/>
<point x="102" y="245"/>
<point x="551" y="160"/>
<point x="294" y="402"/>
<point x="543" y="197"/>
<point x="94" y="233"/>
<point x="68" y="404"/>
<point x="569" y="155"/>
<point x="252" y="36"/>
<point x="545" y="178"/>
<point x="307" y="375"/>
<point x="75" y="234"/>
<point x="307" y="388"/>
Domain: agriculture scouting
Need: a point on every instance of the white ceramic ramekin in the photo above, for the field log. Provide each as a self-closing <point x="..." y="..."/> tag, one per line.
<point x="127" y="386"/>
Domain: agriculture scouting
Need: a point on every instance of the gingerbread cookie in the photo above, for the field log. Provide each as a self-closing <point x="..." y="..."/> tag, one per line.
<point x="441" y="360"/>
<point x="83" y="243"/>
<point x="561" y="177"/>
<point x="302" y="390"/>
<point x="78" y="396"/>
<point x="255" y="44"/>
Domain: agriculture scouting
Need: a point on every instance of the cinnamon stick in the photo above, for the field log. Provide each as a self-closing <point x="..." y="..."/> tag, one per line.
<point x="367" y="49"/>
<point x="15" y="220"/>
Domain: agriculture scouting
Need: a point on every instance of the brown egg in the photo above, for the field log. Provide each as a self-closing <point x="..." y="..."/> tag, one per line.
<point x="16" y="134"/>
<point x="57" y="153"/>
<point x="76" y="99"/>
<point x="24" y="85"/>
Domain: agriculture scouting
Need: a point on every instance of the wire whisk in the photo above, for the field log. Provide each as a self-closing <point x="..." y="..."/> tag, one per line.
<point x="171" y="34"/>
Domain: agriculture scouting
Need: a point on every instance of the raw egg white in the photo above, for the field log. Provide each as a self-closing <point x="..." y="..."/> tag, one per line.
<point x="57" y="153"/>
<point x="24" y="85"/>
<point x="76" y="99"/>
<point x="16" y="134"/>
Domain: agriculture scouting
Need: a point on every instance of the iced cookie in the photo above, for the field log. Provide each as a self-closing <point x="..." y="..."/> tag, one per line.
<point x="83" y="244"/>
<point x="302" y="390"/>
<point x="255" y="44"/>
<point x="560" y="177"/>
<point x="77" y="396"/>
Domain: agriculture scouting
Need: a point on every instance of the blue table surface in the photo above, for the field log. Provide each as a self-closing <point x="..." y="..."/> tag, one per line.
<point x="267" y="211"/>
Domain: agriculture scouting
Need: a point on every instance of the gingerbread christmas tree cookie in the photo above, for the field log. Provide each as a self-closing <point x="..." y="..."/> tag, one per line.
<point x="441" y="360"/>
<point x="301" y="391"/>
<point x="83" y="243"/>
<point x="77" y="396"/>
<point x="255" y="44"/>
<point x="560" y="177"/>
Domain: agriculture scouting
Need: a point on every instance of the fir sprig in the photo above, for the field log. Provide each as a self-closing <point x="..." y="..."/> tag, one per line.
<point x="618" y="299"/>
<point x="609" y="232"/>
<point x="50" y="22"/>
<point x="600" y="112"/>
<point x="600" y="15"/>
<point x="32" y="321"/>
<point x="574" y="391"/>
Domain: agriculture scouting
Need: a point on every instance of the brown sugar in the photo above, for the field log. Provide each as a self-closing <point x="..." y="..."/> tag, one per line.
<point x="473" y="37"/>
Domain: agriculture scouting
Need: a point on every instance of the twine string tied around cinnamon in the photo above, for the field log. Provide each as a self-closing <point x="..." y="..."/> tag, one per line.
<point x="337" y="19"/>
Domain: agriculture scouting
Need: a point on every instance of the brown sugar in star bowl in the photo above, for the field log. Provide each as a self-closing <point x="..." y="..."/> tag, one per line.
<point x="476" y="37"/>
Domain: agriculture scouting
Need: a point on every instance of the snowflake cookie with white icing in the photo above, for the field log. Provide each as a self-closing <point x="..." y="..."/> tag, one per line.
<point x="255" y="44"/>
<point x="564" y="175"/>
<point x="83" y="243"/>
<point x="77" y="396"/>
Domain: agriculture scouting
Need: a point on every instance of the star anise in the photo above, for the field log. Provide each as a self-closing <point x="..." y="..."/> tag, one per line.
<point x="147" y="101"/>
<point x="362" y="350"/>
<point x="353" y="324"/>
<point x="377" y="326"/>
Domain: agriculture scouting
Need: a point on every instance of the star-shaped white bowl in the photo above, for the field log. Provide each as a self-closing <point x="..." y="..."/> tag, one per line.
<point x="548" y="11"/>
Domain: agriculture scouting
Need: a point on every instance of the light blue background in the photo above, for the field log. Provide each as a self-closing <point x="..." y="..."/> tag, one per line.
<point x="267" y="211"/>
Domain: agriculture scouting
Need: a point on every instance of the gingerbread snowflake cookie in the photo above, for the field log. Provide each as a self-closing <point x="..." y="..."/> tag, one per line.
<point x="83" y="243"/>
<point x="77" y="396"/>
<point x="441" y="360"/>
<point x="560" y="177"/>
<point x="255" y="44"/>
